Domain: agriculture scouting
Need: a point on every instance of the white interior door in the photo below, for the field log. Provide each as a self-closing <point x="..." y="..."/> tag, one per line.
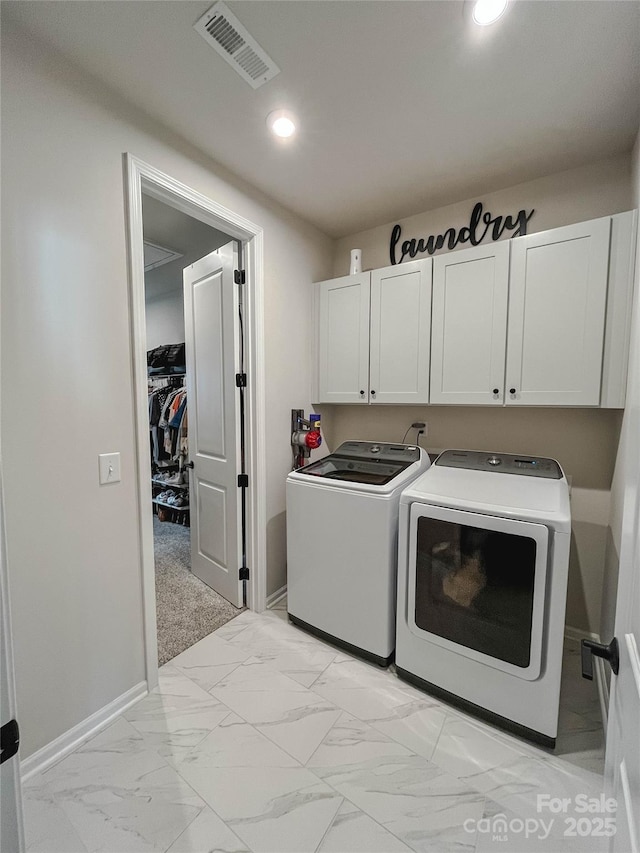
<point x="11" y="831"/>
<point x="623" y="728"/>
<point x="211" y="337"/>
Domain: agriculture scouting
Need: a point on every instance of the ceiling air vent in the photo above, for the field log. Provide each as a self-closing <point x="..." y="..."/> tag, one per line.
<point x="224" y="32"/>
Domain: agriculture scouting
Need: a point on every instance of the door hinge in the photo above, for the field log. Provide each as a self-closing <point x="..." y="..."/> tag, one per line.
<point x="10" y="740"/>
<point x="244" y="573"/>
<point x="241" y="380"/>
<point x="243" y="481"/>
<point x="240" y="277"/>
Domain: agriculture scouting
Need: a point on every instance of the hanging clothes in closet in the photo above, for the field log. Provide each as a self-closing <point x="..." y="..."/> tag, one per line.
<point x="174" y="423"/>
<point x="168" y="423"/>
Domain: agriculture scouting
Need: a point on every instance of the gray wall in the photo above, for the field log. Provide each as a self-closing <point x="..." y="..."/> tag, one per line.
<point x="559" y="199"/>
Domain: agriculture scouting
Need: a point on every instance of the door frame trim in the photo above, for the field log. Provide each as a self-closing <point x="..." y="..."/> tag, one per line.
<point x="139" y="177"/>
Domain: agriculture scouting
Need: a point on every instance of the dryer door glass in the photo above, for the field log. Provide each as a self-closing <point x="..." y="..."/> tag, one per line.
<point x="475" y="588"/>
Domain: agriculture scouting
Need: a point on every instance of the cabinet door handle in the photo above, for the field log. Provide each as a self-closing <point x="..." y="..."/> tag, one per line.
<point x="512" y="390"/>
<point x="362" y="393"/>
<point x="373" y="393"/>
<point x="496" y="390"/>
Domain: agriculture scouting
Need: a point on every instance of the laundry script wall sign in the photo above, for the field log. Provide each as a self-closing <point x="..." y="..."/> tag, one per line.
<point x="481" y="223"/>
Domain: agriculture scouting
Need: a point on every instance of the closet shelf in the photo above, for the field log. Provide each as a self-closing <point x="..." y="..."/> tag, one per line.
<point x="169" y="485"/>
<point x="170" y="506"/>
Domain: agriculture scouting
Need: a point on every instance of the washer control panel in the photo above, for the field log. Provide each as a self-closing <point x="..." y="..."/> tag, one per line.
<point x="376" y="450"/>
<point x="503" y="463"/>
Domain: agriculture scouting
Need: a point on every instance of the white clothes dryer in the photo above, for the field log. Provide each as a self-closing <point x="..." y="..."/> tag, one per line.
<point x="342" y="532"/>
<point x="483" y="560"/>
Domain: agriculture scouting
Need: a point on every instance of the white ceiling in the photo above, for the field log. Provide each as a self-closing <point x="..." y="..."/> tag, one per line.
<point x="403" y="106"/>
<point x="166" y="226"/>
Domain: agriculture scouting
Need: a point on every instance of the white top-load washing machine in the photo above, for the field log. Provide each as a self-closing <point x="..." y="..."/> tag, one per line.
<point x="482" y="579"/>
<point x="342" y="530"/>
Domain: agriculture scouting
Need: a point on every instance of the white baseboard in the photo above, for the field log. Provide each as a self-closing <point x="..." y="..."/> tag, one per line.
<point x="276" y="596"/>
<point x="603" y="690"/>
<point x="580" y="634"/>
<point x="67" y="742"/>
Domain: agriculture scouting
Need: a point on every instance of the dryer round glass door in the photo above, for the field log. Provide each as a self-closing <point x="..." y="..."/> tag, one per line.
<point x="476" y="586"/>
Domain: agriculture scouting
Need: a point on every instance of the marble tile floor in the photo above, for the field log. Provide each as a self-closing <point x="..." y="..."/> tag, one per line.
<point x="263" y="739"/>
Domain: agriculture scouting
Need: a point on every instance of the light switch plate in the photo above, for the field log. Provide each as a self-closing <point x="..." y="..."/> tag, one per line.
<point x="109" y="466"/>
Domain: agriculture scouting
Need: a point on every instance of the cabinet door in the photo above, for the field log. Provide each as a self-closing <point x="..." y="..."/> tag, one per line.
<point x="400" y="333"/>
<point x="557" y="302"/>
<point x="343" y="340"/>
<point x="468" y="333"/>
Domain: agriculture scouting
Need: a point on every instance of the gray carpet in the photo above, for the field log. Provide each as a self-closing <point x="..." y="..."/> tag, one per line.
<point x="187" y="609"/>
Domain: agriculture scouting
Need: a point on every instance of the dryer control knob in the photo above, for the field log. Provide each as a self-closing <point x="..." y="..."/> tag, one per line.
<point x="494" y="460"/>
<point x="375" y="448"/>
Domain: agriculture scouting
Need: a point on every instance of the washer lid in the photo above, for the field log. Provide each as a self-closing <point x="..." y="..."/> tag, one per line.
<point x="354" y="470"/>
<point x="367" y="463"/>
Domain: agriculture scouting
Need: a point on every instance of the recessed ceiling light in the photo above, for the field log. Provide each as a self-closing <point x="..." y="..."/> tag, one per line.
<point x="487" y="11"/>
<point x="281" y="123"/>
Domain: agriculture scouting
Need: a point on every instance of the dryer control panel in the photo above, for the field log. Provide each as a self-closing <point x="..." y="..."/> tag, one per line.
<point x="502" y="463"/>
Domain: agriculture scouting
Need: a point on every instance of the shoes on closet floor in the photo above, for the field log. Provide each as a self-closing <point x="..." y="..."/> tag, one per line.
<point x="176" y="480"/>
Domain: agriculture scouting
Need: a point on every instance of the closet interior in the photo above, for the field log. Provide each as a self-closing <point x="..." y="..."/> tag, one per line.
<point x="168" y="422"/>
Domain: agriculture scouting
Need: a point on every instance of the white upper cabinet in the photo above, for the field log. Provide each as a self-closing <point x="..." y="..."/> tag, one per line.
<point x="343" y="339"/>
<point x="539" y="320"/>
<point x="469" y="325"/>
<point x="373" y="336"/>
<point x="557" y="306"/>
<point x="400" y="333"/>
